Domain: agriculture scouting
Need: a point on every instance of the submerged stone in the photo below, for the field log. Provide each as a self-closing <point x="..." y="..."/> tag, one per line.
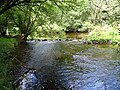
<point x="29" y="81"/>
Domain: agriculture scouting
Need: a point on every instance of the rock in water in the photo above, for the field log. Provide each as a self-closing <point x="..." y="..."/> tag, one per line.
<point x="29" y="81"/>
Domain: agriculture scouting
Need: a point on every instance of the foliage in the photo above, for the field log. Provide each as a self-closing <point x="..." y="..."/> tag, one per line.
<point x="106" y="34"/>
<point x="26" y="15"/>
<point x="51" y="19"/>
<point x="3" y="24"/>
<point x="8" y="4"/>
<point x="49" y="31"/>
<point x="102" y="10"/>
<point x="24" y="19"/>
<point x="86" y="26"/>
<point x="76" y="17"/>
<point x="36" y="18"/>
<point x="6" y="47"/>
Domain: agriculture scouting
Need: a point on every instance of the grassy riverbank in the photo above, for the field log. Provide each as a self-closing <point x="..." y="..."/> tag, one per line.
<point x="104" y="35"/>
<point x="6" y="49"/>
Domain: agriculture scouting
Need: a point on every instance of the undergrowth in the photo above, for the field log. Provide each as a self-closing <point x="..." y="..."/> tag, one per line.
<point x="104" y="35"/>
<point x="6" y="49"/>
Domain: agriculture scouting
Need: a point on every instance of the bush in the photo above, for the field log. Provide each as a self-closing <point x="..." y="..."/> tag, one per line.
<point x="86" y="27"/>
<point x="106" y="34"/>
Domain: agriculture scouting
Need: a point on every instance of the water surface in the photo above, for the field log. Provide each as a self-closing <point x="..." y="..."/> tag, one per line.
<point x="70" y="65"/>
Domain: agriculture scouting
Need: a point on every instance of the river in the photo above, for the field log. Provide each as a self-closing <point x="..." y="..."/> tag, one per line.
<point x="71" y="65"/>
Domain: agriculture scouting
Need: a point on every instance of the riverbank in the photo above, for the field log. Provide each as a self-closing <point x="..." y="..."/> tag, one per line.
<point x="6" y="49"/>
<point x="104" y="35"/>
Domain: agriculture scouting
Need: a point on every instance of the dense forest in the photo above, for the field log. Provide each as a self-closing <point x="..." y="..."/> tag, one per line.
<point x="22" y="20"/>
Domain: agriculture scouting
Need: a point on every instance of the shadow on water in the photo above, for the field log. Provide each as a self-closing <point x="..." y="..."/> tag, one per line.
<point x="71" y="65"/>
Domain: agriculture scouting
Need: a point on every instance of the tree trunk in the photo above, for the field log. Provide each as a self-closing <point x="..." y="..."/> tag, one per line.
<point x="2" y="32"/>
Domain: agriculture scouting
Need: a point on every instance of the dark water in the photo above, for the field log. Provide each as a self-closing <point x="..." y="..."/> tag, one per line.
<point x="72" y="65"/>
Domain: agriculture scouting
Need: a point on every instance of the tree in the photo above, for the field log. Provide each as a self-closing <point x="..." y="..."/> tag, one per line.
<point x="101" y="10"/>
<point x="74" y="19"/>
<point x="8" y="4"/>
<point x="27" y="16"/>
<point x="24" y="19"/>
<point x="3" y="24"/>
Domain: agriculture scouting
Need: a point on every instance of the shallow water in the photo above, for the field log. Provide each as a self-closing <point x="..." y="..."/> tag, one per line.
<point x="70" y="65"/>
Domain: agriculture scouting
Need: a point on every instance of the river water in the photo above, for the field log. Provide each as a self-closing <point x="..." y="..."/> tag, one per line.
<point x="71" y="65"/>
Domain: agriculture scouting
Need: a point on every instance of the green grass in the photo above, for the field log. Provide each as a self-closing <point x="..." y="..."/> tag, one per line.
<point x="6" y="49"/>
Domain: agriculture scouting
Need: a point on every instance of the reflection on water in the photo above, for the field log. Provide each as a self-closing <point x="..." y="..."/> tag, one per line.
<point x="74" y="66"/>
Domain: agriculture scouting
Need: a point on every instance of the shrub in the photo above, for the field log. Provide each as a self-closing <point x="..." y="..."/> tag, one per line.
<point x="106" y="33"/>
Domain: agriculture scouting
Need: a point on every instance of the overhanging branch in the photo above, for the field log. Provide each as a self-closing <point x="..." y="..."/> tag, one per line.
<point x="6" y="6"/>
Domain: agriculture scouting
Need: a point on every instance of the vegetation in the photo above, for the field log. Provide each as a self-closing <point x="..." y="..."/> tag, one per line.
<point x="6" y="49"/>
<point x="52" y="19"/>
<point x="38" y="19"/>
<point x="104" y="35"/>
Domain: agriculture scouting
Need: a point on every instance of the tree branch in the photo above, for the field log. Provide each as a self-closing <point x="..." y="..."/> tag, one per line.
<point x="13" y="18"/>
<point x="6" y="6"/>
